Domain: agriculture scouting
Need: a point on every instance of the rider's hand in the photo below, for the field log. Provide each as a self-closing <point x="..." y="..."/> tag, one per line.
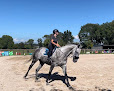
<point x="58" y="45"/>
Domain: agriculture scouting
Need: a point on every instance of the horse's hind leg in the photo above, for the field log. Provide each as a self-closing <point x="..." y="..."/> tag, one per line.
<point x="33" y="62"/>
<point x="51" y="69"/>
<point x="39" y="67"/>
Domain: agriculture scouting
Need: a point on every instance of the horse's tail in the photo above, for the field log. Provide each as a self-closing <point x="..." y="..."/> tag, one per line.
<point x="33" y="55"/>
<point x="29" y="59"/>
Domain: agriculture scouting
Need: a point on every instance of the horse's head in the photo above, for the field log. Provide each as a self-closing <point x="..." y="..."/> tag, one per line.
<point x="76" y="52"/>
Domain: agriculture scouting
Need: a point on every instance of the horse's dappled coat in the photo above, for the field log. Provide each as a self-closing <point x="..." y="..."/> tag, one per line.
<point x="59" y="58"/>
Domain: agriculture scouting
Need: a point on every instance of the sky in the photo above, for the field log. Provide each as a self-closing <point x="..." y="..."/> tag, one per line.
<point x="32" y="19"/>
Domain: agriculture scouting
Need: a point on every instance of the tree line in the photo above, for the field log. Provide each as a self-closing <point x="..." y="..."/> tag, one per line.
<point x="6" y="41"/>
<point x="89" y="35"/>
<point x="95" y="34"/>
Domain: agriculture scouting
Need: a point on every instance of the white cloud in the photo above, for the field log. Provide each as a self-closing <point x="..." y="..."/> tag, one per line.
<point x="18" y="40"/>
<point x="76" y="37"/>
<point x="35" y="41"/>
<point x="22" y="40"/>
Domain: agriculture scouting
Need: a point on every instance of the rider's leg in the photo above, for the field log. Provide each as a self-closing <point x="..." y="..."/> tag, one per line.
<point x="50" y="51"/>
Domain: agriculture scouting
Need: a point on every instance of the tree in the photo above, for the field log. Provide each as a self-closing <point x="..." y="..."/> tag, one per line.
<point x="89" y="32"/>
<point x="1" y="46"/>
<point x="63" y="38"/>
<point x="21" y="45"/>
<point x="46" y="40"/>
<point x="90" y="35"/>
<point x="6" y="42"/>
<point x="96" y="34"/>
<point x="60" y="39"/>
<point x="108" y="30"/>
<point x="67" y="37"/>
<point x="40" y="44"/>
<point x="88" y="44"/>
<point x="16" y="46"/>
<point x="30" y="42"/>
<point x="27" y="46"/>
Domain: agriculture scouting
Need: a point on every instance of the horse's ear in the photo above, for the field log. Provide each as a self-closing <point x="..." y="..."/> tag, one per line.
<point x="79" y="46"/>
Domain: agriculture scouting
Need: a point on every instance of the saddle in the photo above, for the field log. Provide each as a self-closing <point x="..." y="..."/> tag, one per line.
<point x="47" y="51"/>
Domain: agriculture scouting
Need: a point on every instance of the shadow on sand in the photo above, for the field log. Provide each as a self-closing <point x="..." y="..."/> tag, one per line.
<point x="56" y="76"/>
<point x="53" y="77"/>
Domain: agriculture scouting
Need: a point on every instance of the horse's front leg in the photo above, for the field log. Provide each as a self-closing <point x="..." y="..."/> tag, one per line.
<point x="66" y="78"/>
<point x="64" y="68"/>
<point x="50" y="71"/>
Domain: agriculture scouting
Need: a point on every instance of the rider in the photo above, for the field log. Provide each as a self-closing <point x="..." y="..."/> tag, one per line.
<point x="53" y="43"/>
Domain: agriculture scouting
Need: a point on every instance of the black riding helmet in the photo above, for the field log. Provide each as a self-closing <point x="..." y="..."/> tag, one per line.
<point x="55" y="30"/>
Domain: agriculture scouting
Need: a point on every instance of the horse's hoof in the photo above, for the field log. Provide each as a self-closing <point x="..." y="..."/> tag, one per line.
<point x="47" y="83"/>
<point x="24" y="77"/>
<point x="71" y="88"/>
<point x="37" y="80"/>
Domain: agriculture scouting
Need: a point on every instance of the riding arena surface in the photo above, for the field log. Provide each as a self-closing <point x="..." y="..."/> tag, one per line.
<point x="92" y="72"/>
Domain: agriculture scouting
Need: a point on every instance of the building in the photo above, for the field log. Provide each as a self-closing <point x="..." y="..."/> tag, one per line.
<point x="97" y="47"/>
<point x="108" y="46"/>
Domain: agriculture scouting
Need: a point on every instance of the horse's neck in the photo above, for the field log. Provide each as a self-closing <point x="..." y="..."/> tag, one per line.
<point x="67" y="49"/>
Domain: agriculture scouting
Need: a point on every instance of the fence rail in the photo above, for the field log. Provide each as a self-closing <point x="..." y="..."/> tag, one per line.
<point x="5" y="52"/>
<point x="96" y="51"/>
<point x="19" y="51"/>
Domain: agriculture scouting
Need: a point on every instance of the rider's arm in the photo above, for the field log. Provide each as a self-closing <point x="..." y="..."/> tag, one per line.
<point x="53" y="42"/>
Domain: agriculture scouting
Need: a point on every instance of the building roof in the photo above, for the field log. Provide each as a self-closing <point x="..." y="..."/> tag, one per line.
<point x="108" y="45"/>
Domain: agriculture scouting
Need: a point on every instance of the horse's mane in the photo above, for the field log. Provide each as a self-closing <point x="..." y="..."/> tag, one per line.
<point x="70" y="44"/>
<point x="73" y="44"/>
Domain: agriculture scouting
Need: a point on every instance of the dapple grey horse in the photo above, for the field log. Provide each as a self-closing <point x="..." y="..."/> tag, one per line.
<point x="59" y="58"/>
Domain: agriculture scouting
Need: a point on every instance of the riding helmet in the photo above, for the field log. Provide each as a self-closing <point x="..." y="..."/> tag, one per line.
<point x="55" y="30"/>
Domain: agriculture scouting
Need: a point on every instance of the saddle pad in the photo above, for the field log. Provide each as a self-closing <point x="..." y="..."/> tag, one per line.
<point x="46" y="51"/>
